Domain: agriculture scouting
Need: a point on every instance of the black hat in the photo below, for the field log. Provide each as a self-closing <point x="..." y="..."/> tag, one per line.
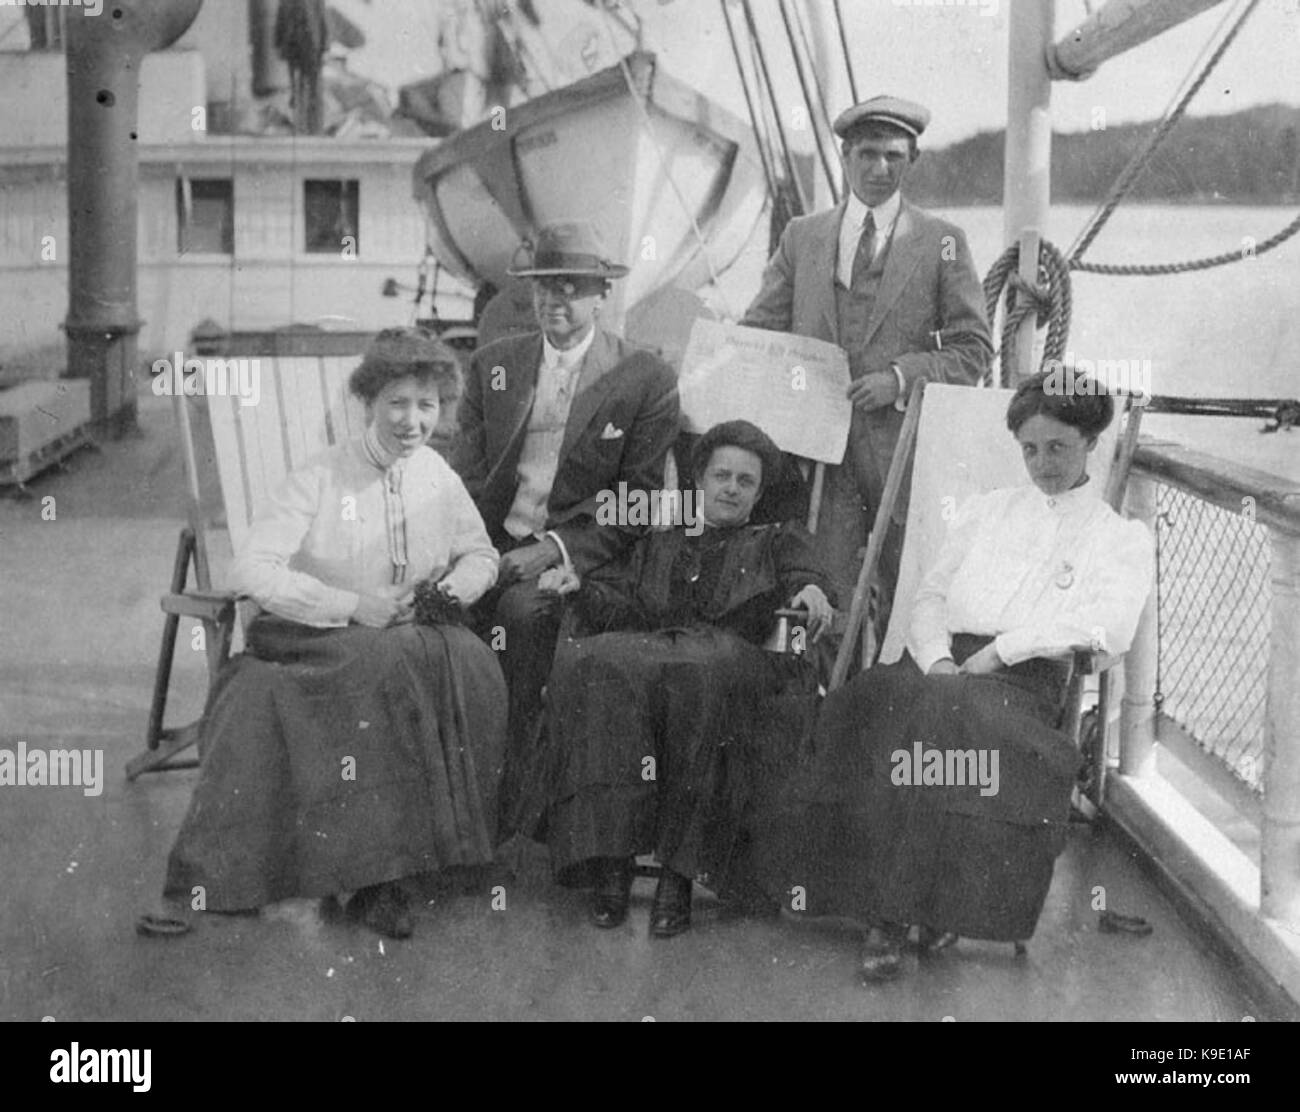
<point x="571" y="249"/>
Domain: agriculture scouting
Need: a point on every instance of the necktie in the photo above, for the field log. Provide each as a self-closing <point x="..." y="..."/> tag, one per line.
<point x="866" y="250"/>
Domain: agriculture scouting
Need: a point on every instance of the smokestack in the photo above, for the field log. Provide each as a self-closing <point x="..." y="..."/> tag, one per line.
<point x="104" y="53"/>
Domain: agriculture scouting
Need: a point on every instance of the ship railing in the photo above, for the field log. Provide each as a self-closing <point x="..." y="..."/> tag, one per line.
<point x="1213" y="679"/>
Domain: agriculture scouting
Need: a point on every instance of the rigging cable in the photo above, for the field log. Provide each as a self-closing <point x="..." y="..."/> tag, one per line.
<point x="760" y="141"/>
<point x="807" y="100"/>
<point x="805" y="39"/>
<point x="848" y="58"/>
<point x="1131" y="173"/>
<point x="776" y="110"/>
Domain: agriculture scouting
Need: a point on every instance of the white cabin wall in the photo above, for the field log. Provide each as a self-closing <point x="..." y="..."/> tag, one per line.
<point x="269" y="281"/>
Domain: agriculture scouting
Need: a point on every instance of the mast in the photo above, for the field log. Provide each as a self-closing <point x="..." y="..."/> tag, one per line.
<point x="1027" y="189"/>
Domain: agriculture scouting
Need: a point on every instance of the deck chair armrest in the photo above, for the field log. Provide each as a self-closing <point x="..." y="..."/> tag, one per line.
<point x="215" y="606"/>
<point x="1088" y="662"/>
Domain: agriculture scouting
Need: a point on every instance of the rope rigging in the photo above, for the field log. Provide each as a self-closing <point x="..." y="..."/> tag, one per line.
<point x="1050" y="299"/>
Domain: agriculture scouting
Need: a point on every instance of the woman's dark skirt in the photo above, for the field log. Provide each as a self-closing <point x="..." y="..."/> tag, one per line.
<point x="851" y="838"/>
<point x="654" y="744"/>
<point x="336" y="759"/>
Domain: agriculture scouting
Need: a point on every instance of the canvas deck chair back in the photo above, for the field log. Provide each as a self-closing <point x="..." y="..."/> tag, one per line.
<point x="962" y="448"/>
<point x="302" y="407"/>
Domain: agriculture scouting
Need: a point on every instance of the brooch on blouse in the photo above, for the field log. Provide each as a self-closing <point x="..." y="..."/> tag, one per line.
<point x="1065" y="577"/>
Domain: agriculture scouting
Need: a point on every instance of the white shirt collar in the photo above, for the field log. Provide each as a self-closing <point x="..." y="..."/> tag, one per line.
<point x="553" y="357"/>
<point x="855" y="212"/>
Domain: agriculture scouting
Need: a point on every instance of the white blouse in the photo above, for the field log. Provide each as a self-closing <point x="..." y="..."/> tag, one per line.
<point x="322" y="539"/>
<point x="1043" y="575"/>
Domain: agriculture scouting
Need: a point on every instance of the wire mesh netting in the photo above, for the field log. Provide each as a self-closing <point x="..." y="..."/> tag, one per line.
<point x="1213" y="601"/>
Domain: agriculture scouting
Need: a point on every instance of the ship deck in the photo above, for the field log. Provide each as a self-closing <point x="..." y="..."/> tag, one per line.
<point x="77" y="653"/>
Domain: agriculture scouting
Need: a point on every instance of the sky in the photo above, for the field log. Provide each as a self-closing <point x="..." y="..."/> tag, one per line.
<point x="948" y="54"/>
<point x="951" y="56"/>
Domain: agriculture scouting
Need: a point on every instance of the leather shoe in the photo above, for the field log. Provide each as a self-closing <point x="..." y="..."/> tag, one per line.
<point x="383" y="908"/>
<point x="930" y="940"/>
<point x="613" y="890"/>
<point x="882" y="954"/>
<point x="670" y="914"/>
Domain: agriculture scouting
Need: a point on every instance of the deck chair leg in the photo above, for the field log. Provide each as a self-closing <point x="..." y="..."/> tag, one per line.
<point x="163" y="673"/>
<point x="163" y="744"/>
<point x="1098" y="754"/>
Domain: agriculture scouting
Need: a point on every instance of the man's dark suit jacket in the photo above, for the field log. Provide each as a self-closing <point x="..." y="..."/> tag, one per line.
<point x="623" y="420"/>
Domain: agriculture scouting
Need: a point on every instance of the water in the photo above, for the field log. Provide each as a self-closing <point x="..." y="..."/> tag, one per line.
<point x="1229" y="332"/>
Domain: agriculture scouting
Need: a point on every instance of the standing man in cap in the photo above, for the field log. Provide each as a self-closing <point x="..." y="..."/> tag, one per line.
<point x="549" y="420"/>
<point x="896" y="288"/>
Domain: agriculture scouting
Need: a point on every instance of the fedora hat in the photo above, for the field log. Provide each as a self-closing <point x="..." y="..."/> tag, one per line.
<point x="571" y="249"/>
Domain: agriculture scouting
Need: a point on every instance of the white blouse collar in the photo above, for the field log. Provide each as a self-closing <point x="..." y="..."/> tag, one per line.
<point x="1072" y="501"/>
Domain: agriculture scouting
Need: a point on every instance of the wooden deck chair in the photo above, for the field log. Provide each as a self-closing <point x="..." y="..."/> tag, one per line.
<point x="303" y="408"/>
<point x="962" y="448"/>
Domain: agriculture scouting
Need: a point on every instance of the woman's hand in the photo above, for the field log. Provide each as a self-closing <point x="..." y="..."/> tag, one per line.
<point x="984" y="662"/>
<point x="820" y="611"/>
<point x="379" y="611"/>
<point x="945" y="667"/>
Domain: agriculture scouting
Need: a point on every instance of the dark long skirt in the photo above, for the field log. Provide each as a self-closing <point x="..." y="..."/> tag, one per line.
<point x="654" y="743"/>
<point x="862" y="832"/>
<point x="336" y="759"/>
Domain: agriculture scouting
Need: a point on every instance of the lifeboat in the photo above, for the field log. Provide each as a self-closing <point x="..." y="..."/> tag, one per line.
<point x="671" y="180"/>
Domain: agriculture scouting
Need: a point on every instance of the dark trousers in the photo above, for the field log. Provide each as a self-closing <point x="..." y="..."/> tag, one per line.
<point x="521" y="624"/>
<point x="847" y="517"/>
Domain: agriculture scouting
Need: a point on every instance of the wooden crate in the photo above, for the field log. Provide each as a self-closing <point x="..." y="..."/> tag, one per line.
<point x="40" y="423"/>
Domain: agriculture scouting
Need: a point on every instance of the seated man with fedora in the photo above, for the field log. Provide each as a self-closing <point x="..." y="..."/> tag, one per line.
<point x="550" y="420"/>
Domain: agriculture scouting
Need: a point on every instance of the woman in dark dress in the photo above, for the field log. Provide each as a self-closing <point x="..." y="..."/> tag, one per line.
<point x="350" y="745"/>
<point x="654" y="729"/>
<point x="939" y="792"/>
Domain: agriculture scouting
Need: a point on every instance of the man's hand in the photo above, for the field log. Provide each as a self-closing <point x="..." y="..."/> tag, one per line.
<point x="945" y="667"/>
<point x="527" y="563"/>
<point x="378" y="611"/>
<point x="820" y="611"/>
<point x="558" y="581"/>
<point x="984" y="662"/>
<point x="874" y="391"/>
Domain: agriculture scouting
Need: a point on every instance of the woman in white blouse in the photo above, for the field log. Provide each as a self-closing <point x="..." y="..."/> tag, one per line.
<point x="352" y="745"/>
<point x="939" y="792"/>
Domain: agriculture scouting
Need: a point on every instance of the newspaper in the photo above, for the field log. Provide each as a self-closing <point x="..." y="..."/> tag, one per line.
<point x="792" y="387"/>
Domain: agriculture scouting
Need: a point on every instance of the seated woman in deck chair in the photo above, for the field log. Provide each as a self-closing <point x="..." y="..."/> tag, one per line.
<point x="940" y="788"/>
<point x="359" y="738"/>
<point x="651" y="729"/>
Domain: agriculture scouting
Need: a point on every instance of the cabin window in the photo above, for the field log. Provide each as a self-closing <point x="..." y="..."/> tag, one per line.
<point x="331" y="209"/>
<point x="205" y="216"/>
